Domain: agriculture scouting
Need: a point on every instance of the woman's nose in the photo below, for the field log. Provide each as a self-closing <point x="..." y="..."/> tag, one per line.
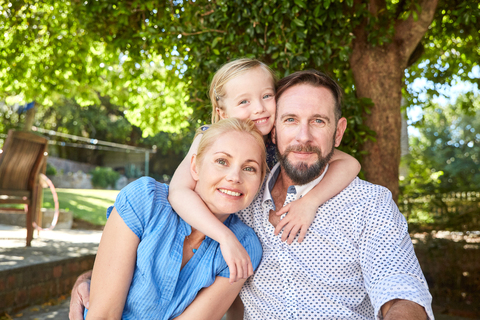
<point x="234" y="175"/>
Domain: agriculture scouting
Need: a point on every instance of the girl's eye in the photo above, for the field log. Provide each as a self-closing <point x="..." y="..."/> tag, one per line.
<point x="250" y="169"/>
<point x="221" y="161"/>
<point x="243" y="102"/>
<point x="267" y="96"/>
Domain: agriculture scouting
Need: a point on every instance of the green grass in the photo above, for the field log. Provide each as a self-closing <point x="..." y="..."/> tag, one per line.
<point x="86" y="204"/>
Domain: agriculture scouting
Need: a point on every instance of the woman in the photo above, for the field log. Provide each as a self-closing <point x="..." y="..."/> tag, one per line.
<point x="151" y="264"/>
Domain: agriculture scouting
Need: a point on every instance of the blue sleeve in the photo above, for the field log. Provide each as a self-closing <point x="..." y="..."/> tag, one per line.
<point x="253" y="247"/>
<point x="137" y="201"/>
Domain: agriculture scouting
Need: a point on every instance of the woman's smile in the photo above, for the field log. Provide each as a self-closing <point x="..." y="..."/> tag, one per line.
<point x="230" y="173"/>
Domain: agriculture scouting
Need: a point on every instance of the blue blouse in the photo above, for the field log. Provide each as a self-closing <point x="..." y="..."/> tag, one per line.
<point x="159" y="289"/>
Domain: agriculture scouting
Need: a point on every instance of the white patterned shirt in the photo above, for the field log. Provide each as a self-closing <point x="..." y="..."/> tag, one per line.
<point x="357" y="255"/>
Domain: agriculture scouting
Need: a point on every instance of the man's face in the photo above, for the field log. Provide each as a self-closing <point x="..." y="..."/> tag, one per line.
<point x="306" y="131"/>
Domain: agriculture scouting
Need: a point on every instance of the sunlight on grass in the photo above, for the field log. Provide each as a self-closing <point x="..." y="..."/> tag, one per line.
<point x="86" y="204"/>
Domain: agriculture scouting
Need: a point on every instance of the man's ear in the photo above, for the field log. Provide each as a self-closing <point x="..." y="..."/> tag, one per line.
<point x="341" y="126"/>
<point x="194" y="167"/>
<point x="272" y="135"/>
<point x="221" y="113"/>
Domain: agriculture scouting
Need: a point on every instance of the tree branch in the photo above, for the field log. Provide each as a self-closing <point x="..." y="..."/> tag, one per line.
<point x="203" y="31"/>
<point x="207" y="13"/>
<point x="360" y="34"/>
<point x="375" y="6"/>
<point x="408" y="33"/>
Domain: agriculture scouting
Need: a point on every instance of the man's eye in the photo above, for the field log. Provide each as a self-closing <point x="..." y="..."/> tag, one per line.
<point x="250" y="169"/>
<point x="289" y="120"/>
<point x="319" y="121"/>
<point x="222" y="161"/>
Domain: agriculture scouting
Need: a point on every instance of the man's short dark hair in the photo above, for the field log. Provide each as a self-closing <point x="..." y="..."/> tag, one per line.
<point x="316" y="79"/>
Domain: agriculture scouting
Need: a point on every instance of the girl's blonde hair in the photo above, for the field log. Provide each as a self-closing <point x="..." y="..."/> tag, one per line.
<point x="228" y="125"/>
<point x="226" y="73"/>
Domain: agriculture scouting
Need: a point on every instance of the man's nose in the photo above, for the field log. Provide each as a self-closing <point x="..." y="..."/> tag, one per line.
<point x="304" y="133"/>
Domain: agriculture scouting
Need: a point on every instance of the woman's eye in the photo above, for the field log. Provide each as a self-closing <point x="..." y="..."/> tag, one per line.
<point x="250" y="169"/>
<point x="221" y="161"/>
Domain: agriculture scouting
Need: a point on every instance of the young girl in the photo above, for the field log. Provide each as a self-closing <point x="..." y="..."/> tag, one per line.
<point x="245" y="89"/>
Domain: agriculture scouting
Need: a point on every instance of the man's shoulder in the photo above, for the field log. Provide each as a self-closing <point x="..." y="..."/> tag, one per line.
<point x="360" y="190"/>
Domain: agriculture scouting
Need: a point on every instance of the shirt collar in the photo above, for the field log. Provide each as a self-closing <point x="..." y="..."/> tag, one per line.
<point x="298" y="190"/>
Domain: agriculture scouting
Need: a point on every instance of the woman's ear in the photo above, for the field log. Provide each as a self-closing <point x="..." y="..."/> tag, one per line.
<point x="194" y="167"/>
<point x="221" y="113"/>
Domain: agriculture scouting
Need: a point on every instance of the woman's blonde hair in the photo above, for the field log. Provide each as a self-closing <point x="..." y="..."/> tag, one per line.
<point x="228" y="125"/>
<point x="226" y="73"/>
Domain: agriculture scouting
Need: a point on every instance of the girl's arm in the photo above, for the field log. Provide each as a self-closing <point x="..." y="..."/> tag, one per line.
<point x="214" y="301"/>
<point x="113" y="269"/>
<point x="188" y="205"/>
<point x="343" y="168"/>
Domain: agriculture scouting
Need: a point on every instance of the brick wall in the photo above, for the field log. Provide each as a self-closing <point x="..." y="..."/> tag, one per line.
<point x="36" y="284"/>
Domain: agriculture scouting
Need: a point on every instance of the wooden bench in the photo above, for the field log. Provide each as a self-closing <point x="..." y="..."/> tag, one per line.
<point x="21" y="162"/>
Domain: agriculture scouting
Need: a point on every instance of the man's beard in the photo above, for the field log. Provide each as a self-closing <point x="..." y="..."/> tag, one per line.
<point x="302" y="173"/>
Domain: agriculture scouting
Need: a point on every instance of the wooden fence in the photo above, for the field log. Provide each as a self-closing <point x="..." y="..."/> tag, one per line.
<point x="453" y="210"/>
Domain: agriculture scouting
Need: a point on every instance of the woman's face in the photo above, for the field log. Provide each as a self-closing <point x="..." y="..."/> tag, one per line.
<point x="251" y="95"/>
<point x="229" y="174"/>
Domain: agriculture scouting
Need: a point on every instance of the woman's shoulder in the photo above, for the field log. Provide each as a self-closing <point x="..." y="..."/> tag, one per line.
<point x="141" y="201"/>
<point x="145" y="187"/>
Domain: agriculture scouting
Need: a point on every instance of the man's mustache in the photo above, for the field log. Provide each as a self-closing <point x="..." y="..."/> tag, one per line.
<point x="303" y="148"/>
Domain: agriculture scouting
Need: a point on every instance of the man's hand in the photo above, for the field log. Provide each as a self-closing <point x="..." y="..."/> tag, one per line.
<point x="403" y="309"/>
<point x="80" y="296"/>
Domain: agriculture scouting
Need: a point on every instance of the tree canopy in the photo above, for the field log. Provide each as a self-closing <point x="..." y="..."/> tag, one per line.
<point x="448" y="148"/>
<point x="156" y="57"/>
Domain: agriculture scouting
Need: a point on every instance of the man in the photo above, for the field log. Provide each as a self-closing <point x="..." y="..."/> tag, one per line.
<point x="357" y="260"/>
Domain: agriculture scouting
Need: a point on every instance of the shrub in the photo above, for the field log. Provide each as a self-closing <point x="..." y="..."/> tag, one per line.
<point x="51" y="170"/>
<point x="104" y="177"/>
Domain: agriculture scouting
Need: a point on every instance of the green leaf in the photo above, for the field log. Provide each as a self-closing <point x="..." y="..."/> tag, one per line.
<point x="350" y="3"/>
<point x="415" y="15"/>
<point x="216" y="52"/>
<point x="215" y="41"/>
<point x="326" y="4"/>
<point x="300" y="3"/>
<point x="298" y="22"/>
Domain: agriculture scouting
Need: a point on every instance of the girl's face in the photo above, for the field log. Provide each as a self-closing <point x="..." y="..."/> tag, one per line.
<point x="229" y="174"/>
<point x="251" y="95"/>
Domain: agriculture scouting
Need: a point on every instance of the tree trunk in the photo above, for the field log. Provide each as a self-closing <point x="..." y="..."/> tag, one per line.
<point x="29" y="119"/>
<point x="378" y="73"/>
<point x="378" y="76"/>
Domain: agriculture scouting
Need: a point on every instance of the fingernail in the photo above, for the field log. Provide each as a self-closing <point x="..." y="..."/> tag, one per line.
<point x="87" y="304"/>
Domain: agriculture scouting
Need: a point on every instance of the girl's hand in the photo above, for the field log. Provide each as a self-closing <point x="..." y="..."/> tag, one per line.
<point x="299" y="218"/>
<point x="237" y="259"/>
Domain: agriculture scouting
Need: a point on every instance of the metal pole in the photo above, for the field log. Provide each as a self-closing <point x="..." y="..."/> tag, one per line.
<point x="147" y="159"/>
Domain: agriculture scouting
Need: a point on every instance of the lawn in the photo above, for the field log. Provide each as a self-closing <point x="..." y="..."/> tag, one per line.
<point x="87" y="204"/>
